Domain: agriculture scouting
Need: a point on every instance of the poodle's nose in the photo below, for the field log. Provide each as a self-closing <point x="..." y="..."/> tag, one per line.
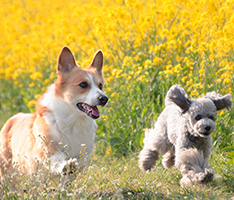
<point x="207" y="128"/>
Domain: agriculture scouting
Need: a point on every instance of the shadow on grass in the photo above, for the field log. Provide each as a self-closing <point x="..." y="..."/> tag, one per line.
<point x="128" y="194"/>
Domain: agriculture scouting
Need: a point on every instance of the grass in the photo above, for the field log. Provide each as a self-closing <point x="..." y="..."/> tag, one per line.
<point x="112" y="178"/>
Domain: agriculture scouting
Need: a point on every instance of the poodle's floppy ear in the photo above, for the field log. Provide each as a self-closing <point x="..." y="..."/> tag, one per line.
<point x="220" y="101"/>
<point x="176" y="95"/>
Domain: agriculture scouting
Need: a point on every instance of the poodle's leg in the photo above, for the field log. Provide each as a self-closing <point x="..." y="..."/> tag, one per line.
<point x="147" y="159"/>
<point x="193" y="167"/>
<point x="169" y="158"/>
<point x="155" y="143"/>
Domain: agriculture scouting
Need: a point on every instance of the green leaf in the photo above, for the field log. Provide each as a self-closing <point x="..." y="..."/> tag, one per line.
<point x="115" y="141"/>
<point x="231" y="148"/>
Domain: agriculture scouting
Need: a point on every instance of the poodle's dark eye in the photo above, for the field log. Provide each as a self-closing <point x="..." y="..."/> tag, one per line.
<point x="100" y="86"/>
<point x="198" y="117"/>
<point x="211" y="117"/>
<point x="83" y="84"/>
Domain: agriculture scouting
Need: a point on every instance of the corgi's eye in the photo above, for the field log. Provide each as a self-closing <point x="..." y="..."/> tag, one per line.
<point x="83" y="84"/>
<point x="198" y="117"/>
<point x="100" y="86"/>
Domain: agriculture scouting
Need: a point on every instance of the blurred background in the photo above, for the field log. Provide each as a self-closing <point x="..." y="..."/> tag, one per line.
<point x="148" y="46"/>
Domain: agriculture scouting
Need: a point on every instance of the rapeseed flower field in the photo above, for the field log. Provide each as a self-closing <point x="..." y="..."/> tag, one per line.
<point x="148" y="45"/>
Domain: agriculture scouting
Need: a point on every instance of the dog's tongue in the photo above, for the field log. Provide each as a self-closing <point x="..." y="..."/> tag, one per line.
<point x="95" y="111"/>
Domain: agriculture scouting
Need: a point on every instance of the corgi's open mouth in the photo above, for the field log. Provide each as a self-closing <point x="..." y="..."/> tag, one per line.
<point x="91" y="111"/>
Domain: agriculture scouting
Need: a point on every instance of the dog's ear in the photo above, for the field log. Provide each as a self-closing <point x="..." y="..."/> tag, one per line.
<point x="97" y="62"/>
<point x="66" y="61"/>
<point x="220" y="101"/>
<point x="176" y="95"/>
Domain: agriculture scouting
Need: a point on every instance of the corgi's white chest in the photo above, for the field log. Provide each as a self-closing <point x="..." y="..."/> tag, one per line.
<point x="71" y="130"/>
<point x="74" y="139"/>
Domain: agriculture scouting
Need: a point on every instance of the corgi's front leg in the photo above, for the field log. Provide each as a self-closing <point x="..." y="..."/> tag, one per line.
<point x="69" y="172"/>
<point x="67" y="169"/>
<point x="57" y="162"/>
<point x="71" y="167"/>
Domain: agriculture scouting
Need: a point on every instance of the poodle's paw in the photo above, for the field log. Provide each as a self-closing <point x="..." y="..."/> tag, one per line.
<point x="147" y="159"/>
<point x="200" y="178"/>
<point x="71" y="167"/>
<point x="208" y="176"/>
<point x="186" y="181"/>
<point x="168" y="160"/>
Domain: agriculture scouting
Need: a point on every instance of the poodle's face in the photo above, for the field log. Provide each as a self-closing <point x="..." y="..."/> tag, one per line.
<point x="202" y="115"/>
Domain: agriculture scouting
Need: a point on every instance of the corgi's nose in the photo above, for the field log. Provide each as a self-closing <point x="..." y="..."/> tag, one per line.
<point x="103" y="100"/>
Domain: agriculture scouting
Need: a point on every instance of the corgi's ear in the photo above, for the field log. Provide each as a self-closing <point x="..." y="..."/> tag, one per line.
<point x="66" y="61"/>
<point x="220" y="101"/>
<point x="176" y="95"/>
<point x="97" y="62"/>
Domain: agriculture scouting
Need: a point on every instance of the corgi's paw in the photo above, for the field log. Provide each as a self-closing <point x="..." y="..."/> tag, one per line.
<point x="71" y="167"/>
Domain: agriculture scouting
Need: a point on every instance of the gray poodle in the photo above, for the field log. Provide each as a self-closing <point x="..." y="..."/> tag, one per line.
<point x="182" y="135"/>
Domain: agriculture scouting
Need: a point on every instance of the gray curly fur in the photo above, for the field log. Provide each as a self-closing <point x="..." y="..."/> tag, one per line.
<point x="181" y="135"/>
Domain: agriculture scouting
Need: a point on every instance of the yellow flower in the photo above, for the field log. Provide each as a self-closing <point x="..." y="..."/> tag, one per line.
<point x="198" y="85"/>
<point x="37" y="96"/>
<point x="143" y="79"/>
<point x="177" y="68"/>
<point x="47" y="82"/>
<point x="183" y="79"/>
<point x="108" y="152"/>
<point x="9" y="72"/>
<point x="31" y="84"/>
<point x="104" y="117"/>
<point x="187" y="44"/>
<point x="189" y="82"/>
<point x="1" y="71"/>
<point x="194" y="93"/>
<point x="36" y="75"/>
<point x="31" y="103"/>
<point x="129" y="2"/>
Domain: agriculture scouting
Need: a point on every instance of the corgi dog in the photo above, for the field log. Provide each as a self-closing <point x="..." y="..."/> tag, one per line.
<point x="62" y="129"/>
